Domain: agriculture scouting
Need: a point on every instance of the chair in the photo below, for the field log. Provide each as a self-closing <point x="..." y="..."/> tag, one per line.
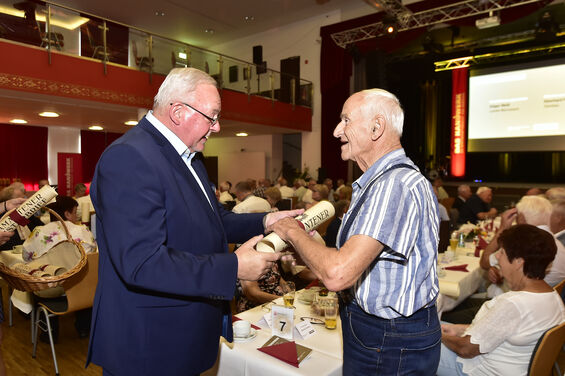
<point x="559" y="287"/>
<point x="447" y="202"/>
<point x="143" y="62"/>
<point x="544" y="356"/>
<point x="79" y="291"/>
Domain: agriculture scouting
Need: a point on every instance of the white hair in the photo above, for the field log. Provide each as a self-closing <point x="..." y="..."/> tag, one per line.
<point x="381" y="101"/>
<point x="555" y="193"/>
<point x="180" y="82"/>
<point x="483" y="189"/>
<point x="535" y="209"/>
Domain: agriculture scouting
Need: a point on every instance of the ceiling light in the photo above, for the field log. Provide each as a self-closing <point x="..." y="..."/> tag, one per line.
<point x="241" y="134"/>
<point x="209" y="31"/>
<point x="49" y="114"/>
<point x="249" y="18"/>
<point x="159" y="13"/>
<point x="131" y="122"/>
<point x="18" y="121"/>
<point x="95" y="128"/>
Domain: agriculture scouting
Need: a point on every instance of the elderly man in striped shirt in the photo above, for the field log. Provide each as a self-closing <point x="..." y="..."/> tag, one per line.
<point x="385" y="261"/>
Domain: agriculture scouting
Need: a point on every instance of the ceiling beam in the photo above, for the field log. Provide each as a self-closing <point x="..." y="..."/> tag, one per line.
<point x="409" y="20"/>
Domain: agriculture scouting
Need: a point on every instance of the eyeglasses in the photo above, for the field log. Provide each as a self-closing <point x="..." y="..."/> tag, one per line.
<point x="212" y="121"/>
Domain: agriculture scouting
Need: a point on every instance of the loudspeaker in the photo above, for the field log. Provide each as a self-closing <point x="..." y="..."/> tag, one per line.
<point x="257" y="54"/>
<point x="290" y="68"/>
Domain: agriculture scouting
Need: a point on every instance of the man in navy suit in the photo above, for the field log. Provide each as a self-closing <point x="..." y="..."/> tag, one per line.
<point x="165" y="274"/>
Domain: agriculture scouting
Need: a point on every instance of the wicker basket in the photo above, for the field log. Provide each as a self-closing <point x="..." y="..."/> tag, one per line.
<point x="26" y="282"/>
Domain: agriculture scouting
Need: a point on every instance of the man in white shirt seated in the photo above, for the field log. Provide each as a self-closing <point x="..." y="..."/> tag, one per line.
<point x="307" y="198"/>
<point x="225" y="195"/>
<point x="557" y="220"/>
<point x="286" y="191"/>
<point x="248" y="203"/>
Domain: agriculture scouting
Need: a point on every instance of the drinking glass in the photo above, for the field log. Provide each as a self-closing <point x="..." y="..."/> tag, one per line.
<point x="330" y="314"/>
<point x="289" y="292"/>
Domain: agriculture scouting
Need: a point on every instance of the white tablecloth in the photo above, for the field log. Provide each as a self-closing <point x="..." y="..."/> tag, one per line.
<point x="456" y="286"/>
<point x="244" y="358"/>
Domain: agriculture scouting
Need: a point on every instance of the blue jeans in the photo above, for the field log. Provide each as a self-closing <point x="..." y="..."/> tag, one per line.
<point x="400" y="346"/>
<point x="448" y="365"/>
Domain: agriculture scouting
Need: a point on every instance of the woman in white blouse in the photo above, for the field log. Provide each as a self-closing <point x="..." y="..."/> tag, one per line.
<point x="503" y="334"/>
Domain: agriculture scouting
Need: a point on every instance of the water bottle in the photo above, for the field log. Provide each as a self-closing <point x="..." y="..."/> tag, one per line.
<point x="461" y="240"/>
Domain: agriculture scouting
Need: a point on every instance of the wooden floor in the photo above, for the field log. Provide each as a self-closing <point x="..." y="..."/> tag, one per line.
<point x="17" y="348"/>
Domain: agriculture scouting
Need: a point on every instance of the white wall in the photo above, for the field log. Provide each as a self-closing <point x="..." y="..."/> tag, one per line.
<point x="60" y="140"/>
<point x="298" y="39"/>
<point x="235" y="156"/>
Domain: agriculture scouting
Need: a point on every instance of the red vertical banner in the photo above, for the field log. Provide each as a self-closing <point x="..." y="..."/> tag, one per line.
<point x="458" y="120"/>
<point x="69" y="172"/>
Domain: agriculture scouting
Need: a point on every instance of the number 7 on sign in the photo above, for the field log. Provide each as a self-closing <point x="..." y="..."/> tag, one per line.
<point x="284" y="319"/>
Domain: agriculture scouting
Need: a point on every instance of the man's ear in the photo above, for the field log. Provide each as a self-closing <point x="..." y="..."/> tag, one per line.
<point x="175" y="114"/>
<point x="378" y="127"/>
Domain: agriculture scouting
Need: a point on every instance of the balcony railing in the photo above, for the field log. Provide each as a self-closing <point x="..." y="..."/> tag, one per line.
<point x="66" y="30"/>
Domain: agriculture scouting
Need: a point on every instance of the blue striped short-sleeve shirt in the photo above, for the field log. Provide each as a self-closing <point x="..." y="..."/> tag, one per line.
<point x="401" y="212"/>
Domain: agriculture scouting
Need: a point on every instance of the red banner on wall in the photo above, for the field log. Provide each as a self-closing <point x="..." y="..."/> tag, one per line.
<point x="69" y="172"/>
<point x="458" y="121"/>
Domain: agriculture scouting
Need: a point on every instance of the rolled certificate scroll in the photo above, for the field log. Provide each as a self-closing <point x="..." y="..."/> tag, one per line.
<point x="310" y="219"/>
<point x="27" y="209"/>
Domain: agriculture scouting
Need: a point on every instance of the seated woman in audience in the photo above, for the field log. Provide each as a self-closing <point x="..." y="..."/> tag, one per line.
<point x="252" y="293"/>
<point x="503" y="334"/>
<point x="320" y="192"/>
<point x="273" y="196"/>
<point x="43" y="238"/>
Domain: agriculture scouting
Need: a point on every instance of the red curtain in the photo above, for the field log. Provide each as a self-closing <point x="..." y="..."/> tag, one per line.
<point x="92" y="144"/>
<point x="23" y="153"/>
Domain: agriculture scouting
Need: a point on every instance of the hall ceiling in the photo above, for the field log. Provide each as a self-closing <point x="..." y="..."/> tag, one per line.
<point x="183" y="20"/>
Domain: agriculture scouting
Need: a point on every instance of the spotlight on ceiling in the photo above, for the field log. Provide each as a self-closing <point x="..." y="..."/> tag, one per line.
<point x="95" y="128"/>
<point x="390" y="25"/>
<point x="18" y="121"/>
<point x="241" y="134"/>
<point x="131" y="122"/>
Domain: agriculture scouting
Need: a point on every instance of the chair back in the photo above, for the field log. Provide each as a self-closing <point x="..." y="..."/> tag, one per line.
<point x="81" y="287"/>
<point x="546" y="351"/>
<point x="447" y="203"/>
<point x="559" y="287"/>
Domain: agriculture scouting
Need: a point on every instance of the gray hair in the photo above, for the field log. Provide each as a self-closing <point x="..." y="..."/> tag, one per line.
<point x="555" y="193"/>
<point x="483" y="189"/>
<point x="535" y="209"/>
<point x="381" y="101"/>
<point x="180" y="82"/>
<point x="462" y="188"/>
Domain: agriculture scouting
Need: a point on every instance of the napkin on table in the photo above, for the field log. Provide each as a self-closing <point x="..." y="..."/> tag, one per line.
<point x="235" y="318"/>
<point x="459" y="268"/>
<point x="285" y="352"/>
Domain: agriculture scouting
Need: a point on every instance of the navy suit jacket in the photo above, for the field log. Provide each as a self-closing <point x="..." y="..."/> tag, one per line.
<point x="165" y="274"/>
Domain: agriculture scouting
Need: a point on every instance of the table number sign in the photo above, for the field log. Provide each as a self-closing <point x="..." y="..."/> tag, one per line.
<point x="282" y="321"/>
